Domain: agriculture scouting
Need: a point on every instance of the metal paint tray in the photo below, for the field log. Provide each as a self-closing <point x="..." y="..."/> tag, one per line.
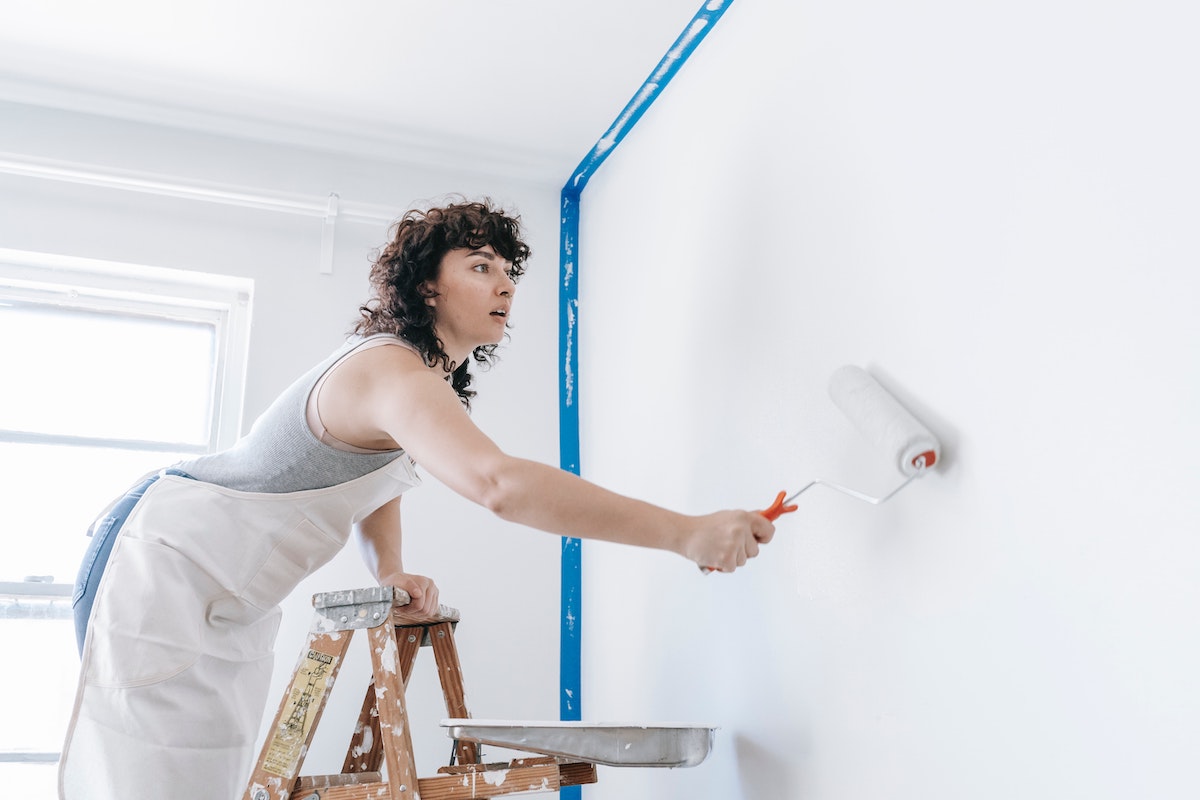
<point x="609" y="743"/>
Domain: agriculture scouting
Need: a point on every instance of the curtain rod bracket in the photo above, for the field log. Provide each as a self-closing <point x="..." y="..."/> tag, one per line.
<point x="328" y="229"/>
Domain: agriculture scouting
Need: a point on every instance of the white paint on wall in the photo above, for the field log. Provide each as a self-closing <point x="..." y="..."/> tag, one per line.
<point x="991" y="208"/>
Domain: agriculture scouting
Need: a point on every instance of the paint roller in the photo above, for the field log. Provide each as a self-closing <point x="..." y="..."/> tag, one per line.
<point x="880" y="418"/>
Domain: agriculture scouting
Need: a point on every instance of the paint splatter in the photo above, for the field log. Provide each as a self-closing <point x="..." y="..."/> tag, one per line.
<point x="389" y="654"/>
<point x="495" y="777"/>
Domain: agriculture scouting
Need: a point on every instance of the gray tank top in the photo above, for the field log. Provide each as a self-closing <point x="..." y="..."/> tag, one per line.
<point x="281" y="453"/>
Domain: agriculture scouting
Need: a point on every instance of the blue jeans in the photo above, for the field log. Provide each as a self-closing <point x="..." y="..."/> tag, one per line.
<point x="104" y="534"/>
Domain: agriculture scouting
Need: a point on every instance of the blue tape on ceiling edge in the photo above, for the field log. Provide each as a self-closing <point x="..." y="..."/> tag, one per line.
<point x="568" y="350"/>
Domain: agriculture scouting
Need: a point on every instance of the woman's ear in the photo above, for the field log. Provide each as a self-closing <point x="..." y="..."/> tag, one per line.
<point x="429" y="293"/>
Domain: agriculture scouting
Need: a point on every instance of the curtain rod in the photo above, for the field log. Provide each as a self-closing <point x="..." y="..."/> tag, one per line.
<point x="330" y="209"/>
<point x="149" y="183"/>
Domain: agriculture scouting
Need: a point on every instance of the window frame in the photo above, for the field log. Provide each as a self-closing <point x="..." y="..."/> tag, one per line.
<point x="139" y="290"/>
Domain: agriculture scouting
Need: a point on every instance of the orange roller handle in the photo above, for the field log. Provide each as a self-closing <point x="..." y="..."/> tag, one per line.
<point x="778" y="509"/>
<point x="772" y="512"/>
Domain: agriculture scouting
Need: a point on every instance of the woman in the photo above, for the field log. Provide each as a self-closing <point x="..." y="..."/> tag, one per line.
<point x="177" y="615"/>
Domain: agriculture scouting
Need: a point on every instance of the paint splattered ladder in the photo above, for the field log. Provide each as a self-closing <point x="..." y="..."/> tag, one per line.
<point x="381" y="740"/>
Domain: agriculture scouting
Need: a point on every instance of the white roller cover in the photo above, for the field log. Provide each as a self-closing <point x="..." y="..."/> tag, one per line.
<point x="882" y="420"/>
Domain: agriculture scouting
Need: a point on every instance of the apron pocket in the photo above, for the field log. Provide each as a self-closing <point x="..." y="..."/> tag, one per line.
<point x="148" y="616"/>
<point x="297" y="555"/>
<point x="239" y="631"/>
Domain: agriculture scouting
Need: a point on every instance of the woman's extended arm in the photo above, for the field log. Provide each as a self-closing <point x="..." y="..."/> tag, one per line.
<point x="418" y="410"/>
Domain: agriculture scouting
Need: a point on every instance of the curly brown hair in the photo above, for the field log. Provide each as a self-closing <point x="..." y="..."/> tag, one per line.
<point x="401" y="270"/>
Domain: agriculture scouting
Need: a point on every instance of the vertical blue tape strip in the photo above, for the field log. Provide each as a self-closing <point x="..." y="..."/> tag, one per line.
<point x="570" y="673"/>
<point x="569" y="658"/>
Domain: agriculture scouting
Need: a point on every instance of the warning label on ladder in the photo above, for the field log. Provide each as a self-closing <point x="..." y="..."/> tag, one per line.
<point x="306" y="695"/>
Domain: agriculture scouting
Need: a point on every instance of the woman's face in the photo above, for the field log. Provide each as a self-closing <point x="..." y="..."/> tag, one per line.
<point x="472" y="298"/>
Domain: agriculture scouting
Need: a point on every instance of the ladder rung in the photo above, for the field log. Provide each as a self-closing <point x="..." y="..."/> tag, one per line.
<point x="311" y="782"/>
<point x="515" y="779"/>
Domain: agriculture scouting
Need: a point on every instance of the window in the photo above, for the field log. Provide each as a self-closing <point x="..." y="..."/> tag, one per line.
<point x="108" y="371"/>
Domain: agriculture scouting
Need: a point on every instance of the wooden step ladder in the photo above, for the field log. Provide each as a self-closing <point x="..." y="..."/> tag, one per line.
<point x="379" y="762"/>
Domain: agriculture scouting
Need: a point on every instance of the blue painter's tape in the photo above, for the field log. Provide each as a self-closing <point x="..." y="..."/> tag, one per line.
<point x="678" y="53"/>
<point x="570" y="645"/>
<point x="570" y="673"/>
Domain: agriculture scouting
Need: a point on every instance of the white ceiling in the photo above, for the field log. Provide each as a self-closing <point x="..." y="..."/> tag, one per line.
<point x="516" y="84"/>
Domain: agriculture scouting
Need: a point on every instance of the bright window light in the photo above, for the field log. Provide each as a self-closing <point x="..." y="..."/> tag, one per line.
<point x="106" y="375"/>
<point x="46" y="525"/>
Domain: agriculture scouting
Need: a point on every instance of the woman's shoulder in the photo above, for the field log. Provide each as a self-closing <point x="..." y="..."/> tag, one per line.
<point x="384" y="357"/>
<point x="370" y="382"/>
<point x="370" y="341"/>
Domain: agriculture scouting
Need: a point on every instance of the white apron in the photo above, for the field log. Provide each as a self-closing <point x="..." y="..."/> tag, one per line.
<point x="179" y="651"/>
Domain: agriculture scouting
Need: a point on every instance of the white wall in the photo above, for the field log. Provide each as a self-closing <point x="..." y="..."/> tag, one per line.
<point x="992" y="207"/>
<point x="498" y="575"/>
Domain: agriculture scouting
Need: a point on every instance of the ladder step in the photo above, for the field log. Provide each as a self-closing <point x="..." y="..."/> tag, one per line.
<point x="311" y="782"/>
<point x="496" y="780"/>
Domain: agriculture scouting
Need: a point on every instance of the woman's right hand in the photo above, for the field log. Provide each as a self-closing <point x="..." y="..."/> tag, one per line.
<point x="726" y="540"/>
<point x="422" y="591"/>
